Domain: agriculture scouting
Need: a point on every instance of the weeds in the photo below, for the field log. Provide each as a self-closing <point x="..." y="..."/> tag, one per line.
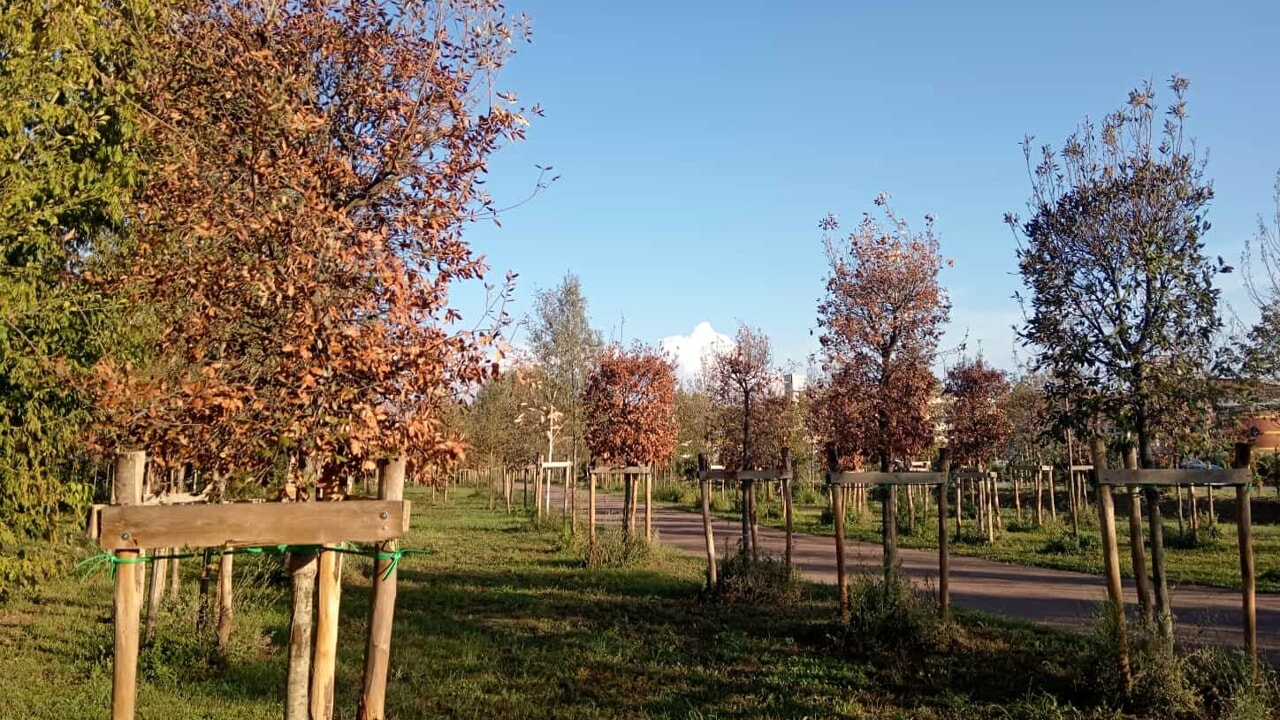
<point x="765" y="581"/>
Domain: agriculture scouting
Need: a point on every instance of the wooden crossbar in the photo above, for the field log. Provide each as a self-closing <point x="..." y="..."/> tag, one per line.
<point x="1081" y="468"/>
<point x="1234" y="477"/>
<point x="889" y="478"/>
<point x="555" y="465"/>
<point x="133" y="527"/>
<point x="622" y="470"/>
<point x="972" y="475"/>
<point x="773" y="474"/>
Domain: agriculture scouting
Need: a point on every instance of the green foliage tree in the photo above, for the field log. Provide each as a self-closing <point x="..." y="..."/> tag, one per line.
<point x="69" y="163"/>
<point x="1122" y="308"/>
<point x="567" y="347"/>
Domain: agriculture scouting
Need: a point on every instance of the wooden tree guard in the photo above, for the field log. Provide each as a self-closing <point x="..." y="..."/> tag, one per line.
<point x="127" y="528"/>
<point x="1239" y="476"/>
<point x="746" y="480"/>
<point x="837" y="479"/>
<point x="1111" y="563"/>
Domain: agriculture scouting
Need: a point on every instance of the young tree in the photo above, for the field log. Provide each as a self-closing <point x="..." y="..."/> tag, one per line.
<point x="567" y="347"/>
<point x="738" y="377"/>
<point x="69" y="165"/>
<point x="1122" y="305"/>
<point x="316" y="165"/>
<point x="977" y="416"/>
<point x="881" y="320"/>
<point x="978" y="425"/>
<point x="630" y="407"/>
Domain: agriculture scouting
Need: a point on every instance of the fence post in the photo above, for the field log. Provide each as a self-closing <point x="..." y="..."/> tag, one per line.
<point x="1111" y="561"/>
<point x="130" y="467"/>
<point x="226" y="601"/>
<point x="787" y="511"/>
<point x="705" y="482"/>
<point x="944" y="552"/>
<point x="1248" y="579"/>
<point x="837" y="519"/>
<point x="377" y="655"/>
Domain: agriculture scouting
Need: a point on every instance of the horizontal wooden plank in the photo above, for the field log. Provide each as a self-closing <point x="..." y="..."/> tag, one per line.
<point x="773" y="474"/>
<point x="622" y="470"/>
<point x="890" y="478"/>
<point x="250" y="524"/>
<point x="716" y="474"/>
<point x="557" y="464"/>
<point x="972" y="475"/>
<point x="1081" y="468"/>
<point x="1175" y="477"/>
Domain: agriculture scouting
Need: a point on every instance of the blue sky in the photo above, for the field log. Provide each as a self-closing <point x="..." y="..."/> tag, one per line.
<point x="698" y="144"/>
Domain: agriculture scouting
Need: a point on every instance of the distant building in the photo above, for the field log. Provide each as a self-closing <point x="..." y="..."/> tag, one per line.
<point x="794" y="384"/>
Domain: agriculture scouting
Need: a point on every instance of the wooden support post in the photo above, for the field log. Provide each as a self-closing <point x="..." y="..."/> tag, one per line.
<point x="1137" y="551"/>
<point x="959" y="508"/>
<point x="743" y="486"/>
<point x="1053" y="502"/>
<point x="377" y="656"/>
<point x="1248" y="577"/>
<point x="324" y="665"/>
<point x="1164" y="611"/>
<point x="787" y="510"/>
<point x="944" y="556"/>
<point x="1039" y="497"/>
<point x="752" y="493"/>
<point x="156" y="594"/>
<point x="226" y="601"/>
<point x="889" y="526"/>
<point x="302" y="571"/>
<point x="129" y="471"/>
<point x="837" y="516"/>
<point x="712" y="579"/>
<point x="175" y="576"/>
<point x="1111" y="563"/>
<point x="648" y="507"/>
<point x="202" y="601"/>
<point x="591" y="506"/>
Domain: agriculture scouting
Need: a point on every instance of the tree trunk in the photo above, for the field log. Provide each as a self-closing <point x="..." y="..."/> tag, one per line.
<point x="324" y="665"/>
<point x="1137" y="552"/>
<point x="226" y="602"/>
<point x="1053" y="502"/>
<point x="708" y="532"/>
<point x="1017" y="497"/>
<point x="1039" y="497"/>
<point x="303" y="567"/>
<point x="158" y="575"/>
<point x="889" y="512"/>
<point x="648" y="507"/>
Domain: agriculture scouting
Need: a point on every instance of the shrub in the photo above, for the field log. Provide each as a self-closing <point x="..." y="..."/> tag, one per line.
<point x="1161" y="684"/>
<point x="891" y="618"/>
<point x="764" y="581"/>
<point x="1066" y="541"/>
<point x="1223" y="681"/>
<point x="613" y="548"/>
<point x="676" y="493"/>
<point x="1208" y="536"/>
<point x="808" y="495"/>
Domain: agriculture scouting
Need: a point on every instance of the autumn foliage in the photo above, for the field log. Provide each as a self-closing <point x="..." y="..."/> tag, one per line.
<point x="977" y="415"/>
<point x="629" y="404"/>
<point x="315" y="166"/>
<point x="881" y="320"/>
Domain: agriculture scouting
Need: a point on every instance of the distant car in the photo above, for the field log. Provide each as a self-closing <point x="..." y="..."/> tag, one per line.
<point x="1197" y="464"/>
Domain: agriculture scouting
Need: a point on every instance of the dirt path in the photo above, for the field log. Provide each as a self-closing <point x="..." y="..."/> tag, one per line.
<point x="1054" y="597"/>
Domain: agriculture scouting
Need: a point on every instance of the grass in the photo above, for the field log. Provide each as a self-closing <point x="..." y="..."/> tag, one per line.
<point x="1213" y="563"/>
<point x="503" y="620"/>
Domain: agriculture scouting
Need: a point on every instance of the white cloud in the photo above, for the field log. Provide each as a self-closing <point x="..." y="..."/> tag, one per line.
<point x="688" y="350"/>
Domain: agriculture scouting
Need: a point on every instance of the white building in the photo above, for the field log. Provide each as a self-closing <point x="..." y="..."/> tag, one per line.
<point x="794" y="384"/>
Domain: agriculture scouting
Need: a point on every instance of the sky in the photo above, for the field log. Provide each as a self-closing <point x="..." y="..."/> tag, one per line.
<point x="699" y="143"/>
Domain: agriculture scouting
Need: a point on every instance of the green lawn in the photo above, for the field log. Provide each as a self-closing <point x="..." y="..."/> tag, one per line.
<point x="1214" y="562"/>
<point x="503" y="621"/>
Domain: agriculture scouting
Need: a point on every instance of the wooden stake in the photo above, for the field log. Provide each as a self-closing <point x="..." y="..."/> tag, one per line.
<point x="377" y="656"/>
<point x="1248" y="576"/>
<point x="302" y="570"/>
<point x="226" y="602"/>
<point x="944" y="552"/>
<point x="129" y="471"/>
<point x="838" y="518"/>
<point x="787" y="510"/>
<point x="712" y="579"/>
<point x="648" y="507"/>
<point x="1137" y="551"/>
<point x="746" y="516"/>
<point x="324" y="664"/>
<point x="1111" y="563"/>
<point x="156" y="594"/>
<point x="591" y="506"/>
<point x="1164" y="612"/>
<point x="1053" y="502"/>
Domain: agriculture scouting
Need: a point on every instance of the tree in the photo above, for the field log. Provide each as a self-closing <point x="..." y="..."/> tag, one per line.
<point x="564" y="343"/>
<point x="881" y="319"/>
<point x="316" y="165"/>
<point x="738" y="376"/>
<point x="1122" y="304"/>
<point x="977" y="416"/>
<point x="629" y="400"/>
<point x="71" y="163"/>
